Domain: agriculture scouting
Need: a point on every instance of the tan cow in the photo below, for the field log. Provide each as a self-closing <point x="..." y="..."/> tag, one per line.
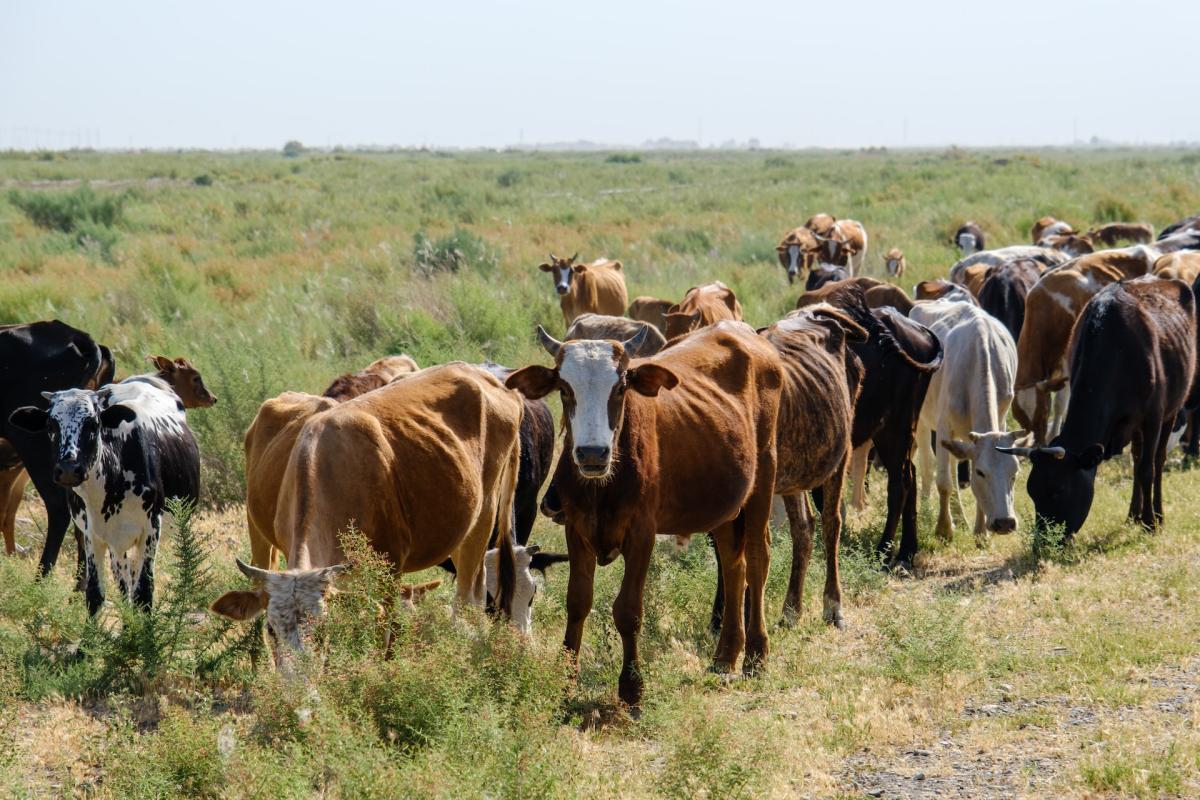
<point x="845" y="245"/>
<point x="651" y="309"/>
<point x="702" y="306"/>
<point x="895" y="262"/>
<point x="1051" y="308"/>
<point x="1182" y="266"/>
<point x="1048" y="226"/>
<point x="1117" y="232"/>
<point x="598" y="287"/>
<point x="798" y="252"/>
<point x="821" y="224"/>
<point x="434" y="466"/>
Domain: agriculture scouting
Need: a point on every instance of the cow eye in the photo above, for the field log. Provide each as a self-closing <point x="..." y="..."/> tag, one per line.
<point x="979" y="472"/>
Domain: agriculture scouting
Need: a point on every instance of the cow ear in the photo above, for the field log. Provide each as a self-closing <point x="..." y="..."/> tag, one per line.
<point x="545" y="267"/>
<point x="29" y="418"/>
<point x="113" y="416"/>
<point x="960" y="450"/>
<point x="647" y="379"/>
<point x="413" y="592"/>
<point x="579" y="269"/>
<point x="833" y="318"/>
<point x="1091" y="457"/>
<point x="163" y="363"/>
<point x="534" y="381"/>
<point x="540" y="561"/>
<point x="240" y="605"/>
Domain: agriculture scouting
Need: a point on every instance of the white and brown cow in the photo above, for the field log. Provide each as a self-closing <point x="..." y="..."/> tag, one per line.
<point x="598" y="287"/>
<point x="895" y="262"/>
<point x="969" y="238"/>
<point x="798" y="251"/>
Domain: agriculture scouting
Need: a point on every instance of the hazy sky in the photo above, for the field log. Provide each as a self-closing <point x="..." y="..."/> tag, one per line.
<point x="254" y="74"/>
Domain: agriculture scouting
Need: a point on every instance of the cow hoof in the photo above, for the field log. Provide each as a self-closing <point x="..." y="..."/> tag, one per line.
<point x="832" y="614"/>
<point x="981" y="542"/>
<point x="722" y="668"/>
<point x="901" y="568"/>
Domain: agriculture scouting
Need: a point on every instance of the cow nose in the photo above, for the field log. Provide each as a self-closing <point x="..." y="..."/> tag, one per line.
<point x="68" y="474"/>
<point x="592" y="456"/>
<point x="562" y="289"/>
<point x="1004" y="525"/>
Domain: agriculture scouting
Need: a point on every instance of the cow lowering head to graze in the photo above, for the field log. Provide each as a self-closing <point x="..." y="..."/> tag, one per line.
<point x="969" y="238"/>
<point x="1004" y="290"/>
<point x="1051" y="308"/>
<point x="1071" y="245"/>
<point x="966" y="408"/>
<point x="1115" y="233"/>
<point x="845" y="245"/>
<point x="1133" y="354"/>
<point x="701" y="307"/>
<point x="620" y="329"/>
<point x="798" y="252"/>
<point x="122" y="452"/>
<point x="1050" y="226"/>
<point x="1183" y="265"/>
<point x="378" y="373"/>
<point x="674" y="444"/>
<point x="528" y="560"/>
<point x="436" y="458"/>
<point x="38" y="357"/>
<point x="652" y="310"/>
<point x="895" y="262"/>
<point x="598" y="287"/>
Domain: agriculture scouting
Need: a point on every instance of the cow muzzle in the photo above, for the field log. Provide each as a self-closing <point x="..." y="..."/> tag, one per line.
<point x="68" y="474"/>
<point x="561" y="288"/>
<point x="593" y="461"/>
<point x="792" y="273"/>
<point x="1003" y="525"/>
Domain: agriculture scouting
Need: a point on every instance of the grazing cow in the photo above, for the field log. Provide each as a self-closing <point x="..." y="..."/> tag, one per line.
<point x="528" y="560"/>
<point x="701" y="307"/>
<point x="619" y="329"/>
<point x="1186" y="224"/>
<point x="1071" y="245"/>
<point x="378" y="373"/>
<point x="845" y="245"/>
<point x="823" y="273"/>
<point x="652" y="310"/>
<point x="877" y="293"/>
<point x="435" y="458"/>
<point x="1004" y="291"/>
<point x="38" y="357"/>
<point x="898" y="360"/>
<point x="1045" y="255"/>
<point x="122" y="451"/>
<point x="1051" y="308"/>
<point x="798" y="251"/>
<point x="1183" y="265"/>
<point x="1117" y="232"/>
<point x="678" y="443"/>
<point x="598" y="287"/>
<point x="969" y="238"/>
<point x="895" y="262"/>
<point x="1049" y="226"/>
<point x="1133" y="355"/>
<point x="966" y="407"/>
<point x="816" y="411"/>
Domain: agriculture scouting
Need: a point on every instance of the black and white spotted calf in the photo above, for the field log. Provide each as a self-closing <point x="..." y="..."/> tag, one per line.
<point x="122" y="451"/>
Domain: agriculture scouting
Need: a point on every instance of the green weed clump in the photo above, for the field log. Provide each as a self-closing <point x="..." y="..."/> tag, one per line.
<point x="459" y="250"/>
<point x="70" y="212"/>
<point x="623" y="158"/>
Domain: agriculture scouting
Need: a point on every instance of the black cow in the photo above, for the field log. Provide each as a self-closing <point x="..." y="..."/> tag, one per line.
<point x="122" y="452"/>
<point x="1186" y="224"/>
<point x="969" y="238"/>
<point x="821" y="274"/>
<point x="36" y="357"/>
<point x="1004" y="290"/>
<point x="1133" y="354"/>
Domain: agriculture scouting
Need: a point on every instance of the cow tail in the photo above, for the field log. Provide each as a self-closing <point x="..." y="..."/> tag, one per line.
<point x="506" y="557"/>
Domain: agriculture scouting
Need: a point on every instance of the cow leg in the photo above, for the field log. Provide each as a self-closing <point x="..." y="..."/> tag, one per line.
<point x="118" y="564"/>
<point x="831" y="534"/>
<point x="908" y="532"/>
<point x="756" y="536"/>
<point x="12" y="489"/>
<point x="894" y="462"/>
<point x="143" y="593"/>
<point x="580" y="585"/>
<point x="800" y="525"/>
<point x="93" y="590"/>
<point x="58" y="517"/>
<point x="525" y="513"/>
<point x="731" y="555"/>
<point x="1059" y="402"/>
<point x="945" y="485"/>
<point x="1144" y="476"/>
<point x="627" y="615"/>
<point x="718" y="607"/>
<point x="981" y="534"/>
<point x="263" y="554"/>
<point x="925" y="460"/>
<point x="1136" y="497"/>
<point x="1160" y="460"/>
<point x="858" y="476"/>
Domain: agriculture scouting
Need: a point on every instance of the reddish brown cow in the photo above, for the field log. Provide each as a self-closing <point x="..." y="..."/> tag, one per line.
<point x="877" y="293"/>
<point x="701" y="307"/>
<point x="1118" y="232"/>
<point x="376" y="374"/>
<point x="652" y="310"/>
<point x="674" y="444"/>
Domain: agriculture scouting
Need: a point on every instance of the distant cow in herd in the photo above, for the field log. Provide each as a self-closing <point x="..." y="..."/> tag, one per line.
<point x="598" y="287"/>
<point x="894" y="262"/>
<point x="1004" y="290"/>
<point x="620" y="329"/>
<point x="652" y="310"/>
<point x="701" y="307"/>
<point x="969" y="238"/>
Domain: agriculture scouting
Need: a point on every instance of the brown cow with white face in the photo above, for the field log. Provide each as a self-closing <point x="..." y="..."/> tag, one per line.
<point x="598" y="287"/>
<point x="702" y="306"/>
<point x="674" y="444"/>
<point x="895" y="262"/>
<point x="798" y="251"/>
<point x="845" y="245"/>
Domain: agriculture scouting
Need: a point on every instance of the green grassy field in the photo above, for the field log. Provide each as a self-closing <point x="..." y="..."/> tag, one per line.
<point x="994" y="673"/>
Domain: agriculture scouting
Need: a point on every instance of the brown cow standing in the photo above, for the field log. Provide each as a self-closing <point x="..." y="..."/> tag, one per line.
<point x="1048" y="226"/>
<point x="1117" y="232"/>
<point x="701" y="307"/>
<point x="846" y="245"/>
<point x="798" y="252"/>
<point x="651" y="309"/>
<point x="678" y="443"/>
<point x="895" y="262"/>
<point x="877" y="293"/>
<point x="598" y="287"/>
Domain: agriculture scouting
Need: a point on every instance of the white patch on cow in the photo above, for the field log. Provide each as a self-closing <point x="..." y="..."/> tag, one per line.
<point x="1026" y="400"/>
<point x="295" y="601"/>
<point x="793" y="258"/>
<point x="589" y="369"/>
<point x="1063" y="300"/>
<point x="526" y="585"/>
<point x="966" y="243"/>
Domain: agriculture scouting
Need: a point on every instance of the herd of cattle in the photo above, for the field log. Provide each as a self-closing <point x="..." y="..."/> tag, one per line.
<point x="677" y="418"/>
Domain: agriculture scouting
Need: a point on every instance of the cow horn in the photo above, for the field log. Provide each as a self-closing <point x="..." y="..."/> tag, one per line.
<point x="634" y="342"/>
<point x="1023" y="452"/>
<point x="255" y="574"/>
<point x="548" y="342"/>
<point x="1054" y="452"/>
<point x="575" y="256"/>
<point x="552" y="258"/>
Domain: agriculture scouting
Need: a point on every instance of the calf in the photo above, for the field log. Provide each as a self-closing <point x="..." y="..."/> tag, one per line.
<point x="598" y="326"/>
<point x="1004" y="291"/>
<point x="895" y="262"/>
<point x="798" y="252"/>
<point x="1117" y="232"/>
<point x="966" y="407"/>
<point x="598" y="287"/>
<point x="1133" y="354"/>
<point x="675" y="444"/>
<point x="378" y="373"/>
<point x="122" y="452"/>
<point x="969" y="238"/>
<point x="651" y="310"/>
<point x="701" y="307"/>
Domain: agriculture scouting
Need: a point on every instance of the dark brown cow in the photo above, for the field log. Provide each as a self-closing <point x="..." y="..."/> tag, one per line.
<point x="1004" y="290"/>
<point x="969" y="238"/>
<point x="678" y="443"/>
<point x="1115" y="233"/>
<point x="701" y="307"/>
<point x="376" y="374"/>
<point x="877" y="293"/>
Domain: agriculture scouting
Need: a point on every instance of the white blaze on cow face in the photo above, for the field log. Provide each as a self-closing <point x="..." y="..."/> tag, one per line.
<point x="562" y="279"/>
<point x="793" y="260"/>
<point x="591" y="372"/>
<point x="893" y="266"/>
<point x="966" y="243"/>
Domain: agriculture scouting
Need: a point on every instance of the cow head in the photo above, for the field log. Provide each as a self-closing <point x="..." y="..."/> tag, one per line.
<point x="1061" y="484"/>
<point x="592" y="377"/>
<point x="185" y="380"/>
<point x="294" y="601"/>
<point x="797" y="252"/>
<point x="894" y="261"/>
<point x="681" y="323"/>
<point x="73" y="422"/>
<point x="993" y="474"/>
<point x="967" y="243"/>
<point x="529" y="560"/>
<point x="563" y="269"/>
